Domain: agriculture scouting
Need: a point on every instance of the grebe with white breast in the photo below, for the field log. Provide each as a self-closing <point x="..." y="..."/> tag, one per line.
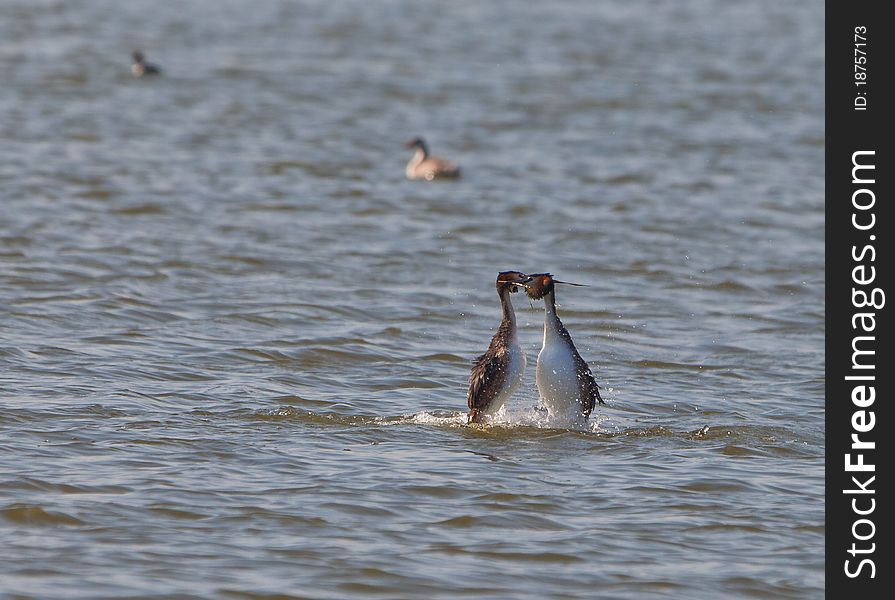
<point x="141" y="67"/>
<point x="423" y="166"/>
<point x="565" y="383"/>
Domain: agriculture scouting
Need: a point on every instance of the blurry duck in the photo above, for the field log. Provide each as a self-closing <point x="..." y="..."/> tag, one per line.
<point x="141" y="67"/>
<point x="423" y="166"/>
<point x="564" y="380"/>
<point x="498" y="371"/>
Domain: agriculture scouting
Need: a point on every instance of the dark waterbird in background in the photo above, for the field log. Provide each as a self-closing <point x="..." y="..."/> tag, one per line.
<point x="498" y="372"/>
<point x="423" y="166"/>
<point x="565" y="383"/>
<point x="141" y="67"/>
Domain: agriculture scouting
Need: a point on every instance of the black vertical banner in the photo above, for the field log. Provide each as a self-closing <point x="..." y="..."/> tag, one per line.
<point x="860" y="65"/>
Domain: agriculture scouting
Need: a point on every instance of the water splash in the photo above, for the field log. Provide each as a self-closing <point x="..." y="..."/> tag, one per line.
<point x="531" y="417"/>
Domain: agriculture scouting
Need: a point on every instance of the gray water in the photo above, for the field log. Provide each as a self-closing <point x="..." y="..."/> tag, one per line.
<point x="234" y="340"/>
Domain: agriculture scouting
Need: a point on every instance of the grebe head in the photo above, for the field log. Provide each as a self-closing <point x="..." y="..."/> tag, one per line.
<point x="542" y="284"/>
<point x="138" y="56"/>
<point x="511" y="281"/>
<point x="417" y="143"/>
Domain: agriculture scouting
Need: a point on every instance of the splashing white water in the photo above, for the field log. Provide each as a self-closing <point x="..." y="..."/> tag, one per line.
<point x="532" y="416"/>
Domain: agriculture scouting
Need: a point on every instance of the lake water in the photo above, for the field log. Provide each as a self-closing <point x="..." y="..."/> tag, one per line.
<point x="234" y="340"/>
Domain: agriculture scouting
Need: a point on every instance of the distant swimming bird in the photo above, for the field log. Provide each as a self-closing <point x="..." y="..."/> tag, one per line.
<point x="423" y="166"/>
<point x="498" y="371"/>
<point x="141" y="67"/>
<point x="564" y="380"/>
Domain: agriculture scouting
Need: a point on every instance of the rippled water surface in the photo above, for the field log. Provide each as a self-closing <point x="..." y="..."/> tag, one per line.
<point x="234" y="340"/>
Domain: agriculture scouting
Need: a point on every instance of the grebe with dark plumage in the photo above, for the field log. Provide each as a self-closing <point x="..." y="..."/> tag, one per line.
<point x="423" y="166"/>
<point x="565" y="382"/>
<point x="141" y="67"/>
<point x="498" y="371"/>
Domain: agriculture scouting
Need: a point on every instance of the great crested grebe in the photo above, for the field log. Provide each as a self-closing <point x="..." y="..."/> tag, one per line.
<point x="498" y="371"/>
<point x="141" y="67"/>
<point x="564" y="380"/>
<point x="423" y="166"/>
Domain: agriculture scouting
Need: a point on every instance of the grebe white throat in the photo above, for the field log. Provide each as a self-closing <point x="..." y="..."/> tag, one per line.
<point x="415" y="161"/>
<point x="557" y="372"/>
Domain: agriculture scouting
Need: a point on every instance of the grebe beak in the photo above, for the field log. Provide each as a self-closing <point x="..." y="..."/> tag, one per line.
<point x="570" y="283"/>
<point x="518" y="282"/>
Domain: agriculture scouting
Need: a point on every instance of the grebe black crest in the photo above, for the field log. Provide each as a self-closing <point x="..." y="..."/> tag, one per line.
<point x="498" y="372"/>
<point x="565" y="382"/>
<point x="423" y="166"/>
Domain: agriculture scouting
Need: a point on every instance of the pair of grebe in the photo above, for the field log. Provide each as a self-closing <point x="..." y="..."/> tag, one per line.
<point x="565" y="382"/>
